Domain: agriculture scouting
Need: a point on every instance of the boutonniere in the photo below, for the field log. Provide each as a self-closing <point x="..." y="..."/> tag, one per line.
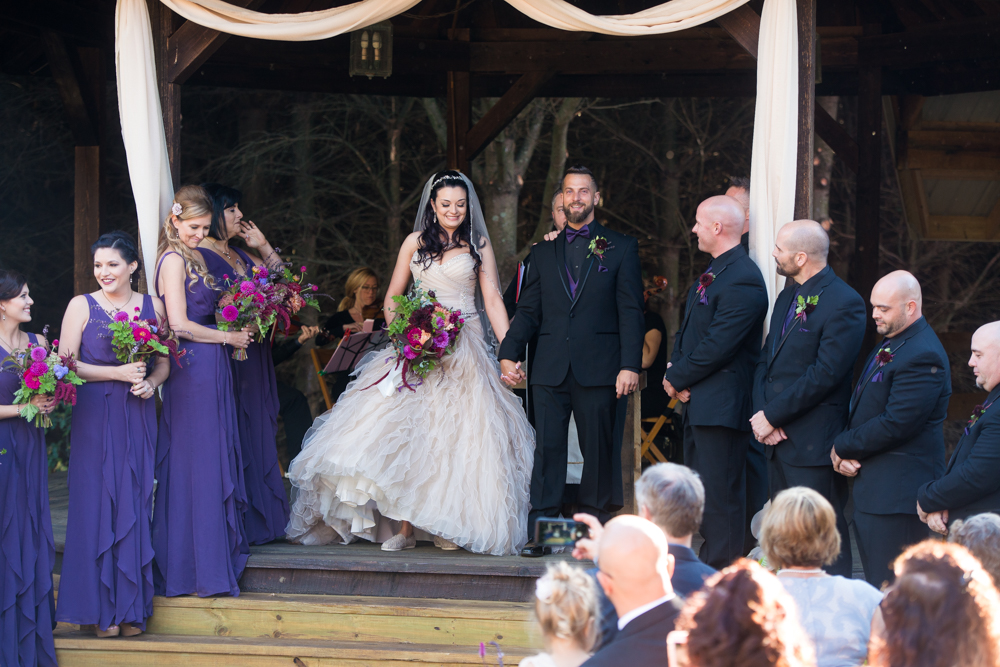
<point x="882" y="357"/>
<point x="598" y="246"/>
<point x="704" y="281"/>
<point x="804" y="306"/>
<point x="977" y="412"/>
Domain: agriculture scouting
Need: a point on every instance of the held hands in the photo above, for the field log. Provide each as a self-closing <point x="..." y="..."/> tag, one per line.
<point x="132" y="373"/>
<point x="44" y="402"/>
<point x="936" y="521"/>
<point x="586" y="549"/>
<point x="682" y="396"/>
<point x="846" y="467"/>
<point x="143" y="389"/>
<point x="764" y="431"/>
<point x="511" y="372"/>
<point x="305" y="333"/>
<point x="628" y="381"/>
<point x="776" y="436"/>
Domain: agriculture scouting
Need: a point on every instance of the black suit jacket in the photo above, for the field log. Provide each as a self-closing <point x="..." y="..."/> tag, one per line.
<point x="894" y="425"/>
<point x="643" y="642"/>
<point x="718" y="344"/>
<point x="803" y="380"/>
<point x="971" y="484"/>
<point x="599" y="332"/>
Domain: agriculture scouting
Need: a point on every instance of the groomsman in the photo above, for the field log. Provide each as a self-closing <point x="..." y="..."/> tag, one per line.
<point x="894" y="443"/>
<point x="583" y="297"/>
<point x="739" y="189"/>
<point x="802" y="388"/>
<point x="711" y="371"/>
<point x="971" y="484"/>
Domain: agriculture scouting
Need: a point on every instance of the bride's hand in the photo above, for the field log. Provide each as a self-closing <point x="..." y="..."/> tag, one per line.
<point x="510" y="372"/>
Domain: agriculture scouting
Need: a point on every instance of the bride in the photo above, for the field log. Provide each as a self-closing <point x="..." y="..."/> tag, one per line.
<point x="450" y="461"/>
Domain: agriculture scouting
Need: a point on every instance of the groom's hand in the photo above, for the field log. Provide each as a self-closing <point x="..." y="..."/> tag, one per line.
<point x="627" y="382"/>
<point x="510" y="372"/>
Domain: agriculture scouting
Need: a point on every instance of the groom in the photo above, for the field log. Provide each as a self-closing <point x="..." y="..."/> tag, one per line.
<point x="583" y="297"/>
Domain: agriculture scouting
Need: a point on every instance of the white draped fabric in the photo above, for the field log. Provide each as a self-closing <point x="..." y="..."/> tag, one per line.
<point x="772" y="195"/>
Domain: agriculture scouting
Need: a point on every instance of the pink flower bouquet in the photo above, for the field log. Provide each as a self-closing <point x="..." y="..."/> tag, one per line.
<point x="42" y="372"/>
<point x="135" y="339"/>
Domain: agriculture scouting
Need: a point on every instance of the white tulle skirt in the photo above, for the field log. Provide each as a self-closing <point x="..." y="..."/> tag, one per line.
<point x="453" y="458"/>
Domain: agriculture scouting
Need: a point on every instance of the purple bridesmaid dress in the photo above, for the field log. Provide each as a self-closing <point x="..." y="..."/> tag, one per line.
<point x="199" y="542"/>
<point x="107" y="571"/>
<point x="27" y="550"/>
<point x="257" y="417"/>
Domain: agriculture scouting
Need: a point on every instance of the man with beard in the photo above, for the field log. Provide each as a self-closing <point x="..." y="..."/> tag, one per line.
<point x="894" y="443"/>
<point x="711" y="371"/>
<point x="583" y="297"/>
<point x="803" y="383"/>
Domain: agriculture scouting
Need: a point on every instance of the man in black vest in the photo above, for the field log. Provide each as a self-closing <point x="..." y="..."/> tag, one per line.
<point x="802" y="389"/>
<point x="712" y="371"/>
<point x="583" y="297"/>
<point x="894" y="443"/>
<point x="971" y="484"/>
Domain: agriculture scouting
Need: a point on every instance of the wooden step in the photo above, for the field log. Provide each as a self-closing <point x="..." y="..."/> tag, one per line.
<point x="347" y="618"/>
<point x="77" y="649"/>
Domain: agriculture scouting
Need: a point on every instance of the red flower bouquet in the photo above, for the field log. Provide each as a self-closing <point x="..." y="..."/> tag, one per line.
<point x="135" y="339"/>
<point x="42" y="372"/>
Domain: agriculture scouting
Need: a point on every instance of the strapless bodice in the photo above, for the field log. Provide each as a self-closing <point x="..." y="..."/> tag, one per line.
<point x="452" y="281"/>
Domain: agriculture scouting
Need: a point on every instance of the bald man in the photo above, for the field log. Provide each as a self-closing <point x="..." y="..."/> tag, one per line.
<point x="634" y="568"/>
<point x="803" y="383"/>
<point x="971" y="484"/>
<point x="711" y="372"/>
<point x="894" y="443"/>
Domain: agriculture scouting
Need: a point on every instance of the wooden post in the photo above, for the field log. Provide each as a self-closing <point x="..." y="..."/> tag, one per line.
<point x="865" y="268"/>
<point x="459" y="119"/>
<point x="162" y="20"/>
<point x="806" y="11"/>
<point x="631" y="449"/>
<point x="86" y="215"/>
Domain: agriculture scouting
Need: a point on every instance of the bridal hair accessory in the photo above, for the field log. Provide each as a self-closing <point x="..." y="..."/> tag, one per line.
<point x="544" y="589"/>
<point x="176" y="209"/>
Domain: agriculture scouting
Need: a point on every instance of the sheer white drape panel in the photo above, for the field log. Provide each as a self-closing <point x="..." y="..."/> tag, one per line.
<point x="772" y="196"/>
<point x="142" y="125"/>
<point x="775" y="136"/>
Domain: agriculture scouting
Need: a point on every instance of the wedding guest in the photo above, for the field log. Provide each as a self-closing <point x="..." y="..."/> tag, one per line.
<point x="980" y="534"/>
<point x="971" y="483"/>
<point x="802" y="386"/>
<point x="566" y="607"/>
<point x="256" y="386"/>
<point x="942" y="611"/>
<point x="799" y="536"/>
<point x="107" y="569"/>
<point x="654" y="360"/>
<point x="739" y="189"/>
<point x="199" y="542"/>
<point x="894" y="442"/>
<point x="360" y="303"/>
<point x="711" y="371"/>
<point x="28" y="601"/>
<point x="758" y="618"/>
<point x="293" y="406"/>
<point x="635" y="568"/>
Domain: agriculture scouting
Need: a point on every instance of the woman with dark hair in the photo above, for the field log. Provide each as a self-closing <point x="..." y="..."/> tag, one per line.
<point x="942" y="611"/>
<point x="27" y="550"/>
<point x="199" y="543"/>
<point x="256" y="386"/>
<point x="108" y="560"/>
<point x="452" y="458"/>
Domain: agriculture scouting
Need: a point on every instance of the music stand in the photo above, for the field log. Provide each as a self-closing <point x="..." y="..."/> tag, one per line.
<point x="352" y="347"/>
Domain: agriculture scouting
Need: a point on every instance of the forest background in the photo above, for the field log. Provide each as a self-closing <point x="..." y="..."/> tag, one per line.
<point x="334" y="181"/>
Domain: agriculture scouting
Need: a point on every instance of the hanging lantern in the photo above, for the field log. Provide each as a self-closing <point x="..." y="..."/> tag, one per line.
<point x="371" y="50"/>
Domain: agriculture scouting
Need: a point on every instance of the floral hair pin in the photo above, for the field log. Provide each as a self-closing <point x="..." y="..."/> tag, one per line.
<point x="176" y="209"/>
<point x="544" y="590"/>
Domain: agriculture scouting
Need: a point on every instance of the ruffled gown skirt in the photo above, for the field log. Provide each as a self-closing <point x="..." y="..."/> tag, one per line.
<point x="453" y="458"/>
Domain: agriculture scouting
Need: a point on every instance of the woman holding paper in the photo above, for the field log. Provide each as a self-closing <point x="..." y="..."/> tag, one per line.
<point x="357" y="306"/>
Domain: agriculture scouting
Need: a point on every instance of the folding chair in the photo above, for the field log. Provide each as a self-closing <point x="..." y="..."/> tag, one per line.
<point x="649" y="450"/>
<point x="321" y="358"/>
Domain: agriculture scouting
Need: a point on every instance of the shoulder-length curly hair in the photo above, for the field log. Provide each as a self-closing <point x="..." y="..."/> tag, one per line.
<point x="430" y="247"/>
<point x="744" y="618"/>
<point x="942" y="611"/>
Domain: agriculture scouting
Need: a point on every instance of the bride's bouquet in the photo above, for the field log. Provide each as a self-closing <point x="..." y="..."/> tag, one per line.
<point x="42" y="372"/>
<point x="422" y="333"/>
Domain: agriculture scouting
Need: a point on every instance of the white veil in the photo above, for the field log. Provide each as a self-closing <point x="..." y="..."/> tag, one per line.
<point x="480" y="240"/>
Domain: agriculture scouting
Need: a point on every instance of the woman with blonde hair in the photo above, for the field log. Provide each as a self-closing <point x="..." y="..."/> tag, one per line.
<point x="799" y="536"/>
<point x="199" y="541"/>
<point x="566" y="607"/>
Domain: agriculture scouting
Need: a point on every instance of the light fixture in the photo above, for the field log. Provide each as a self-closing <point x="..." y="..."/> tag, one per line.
<point x="371" y="50"/>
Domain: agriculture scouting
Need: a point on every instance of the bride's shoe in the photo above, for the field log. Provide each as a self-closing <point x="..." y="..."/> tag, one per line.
<point x="447" y="545"/>
<point x="399" y="542"/>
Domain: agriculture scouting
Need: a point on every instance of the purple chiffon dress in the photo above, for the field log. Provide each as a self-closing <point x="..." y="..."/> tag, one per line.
<point x="199" y="542"/>
<point x="257" y="417"/>
<point x="107" y="571"/>
<point x="27" y="550"/>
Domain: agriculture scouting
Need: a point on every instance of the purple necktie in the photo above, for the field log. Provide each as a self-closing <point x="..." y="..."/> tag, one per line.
<point x="791" y="312"/>
<point x="571" y="233"/>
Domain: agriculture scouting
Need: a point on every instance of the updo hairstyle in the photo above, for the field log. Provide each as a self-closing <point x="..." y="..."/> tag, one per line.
<point x="121" y="241"/>
<point x="566" y="604"/>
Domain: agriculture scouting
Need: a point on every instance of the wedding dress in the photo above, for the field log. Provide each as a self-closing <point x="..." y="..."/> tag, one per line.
<point x="453" y="458"/>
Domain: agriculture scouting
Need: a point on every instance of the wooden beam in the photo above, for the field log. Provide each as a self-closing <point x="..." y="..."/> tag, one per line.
<point x="86" y="215"/>
<point x="955" y="140"/>
<point x="961" y="175"/>
<point x="836" y="137"/>
<point x="911" y="186"/>
<point x="503" y="112"/>
<point x="191" y="45"/>
<point x="459" y="119"/>
<point x="806" y="16"/>
<point x="78" y="98"/>
<point x="993" y="222"/>
<point x="162" y="19"/>
<point x="743" y="25"/>
<point x="957" y="161"/>
<point x="931" y="43"/>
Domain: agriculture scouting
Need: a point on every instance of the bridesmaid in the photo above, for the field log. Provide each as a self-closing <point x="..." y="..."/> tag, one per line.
<point x="107" y="571"/>
<point x="199" y="542"/>
<point x="256" y="386"/>
<point x="27" y="551"/>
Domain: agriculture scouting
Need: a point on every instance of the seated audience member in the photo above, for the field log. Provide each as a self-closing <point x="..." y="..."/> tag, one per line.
<point x="744" y="618"/>
<point x="971" y="482"/>
<point x="980" y="534"/>
<point x="634" y="572"/>
<point x="654" y="357"/>
<point x="942" y="611"/>
<point x="799" y="536"/>
<point x="672" y="497"/>
<point x="566" y="607"/>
